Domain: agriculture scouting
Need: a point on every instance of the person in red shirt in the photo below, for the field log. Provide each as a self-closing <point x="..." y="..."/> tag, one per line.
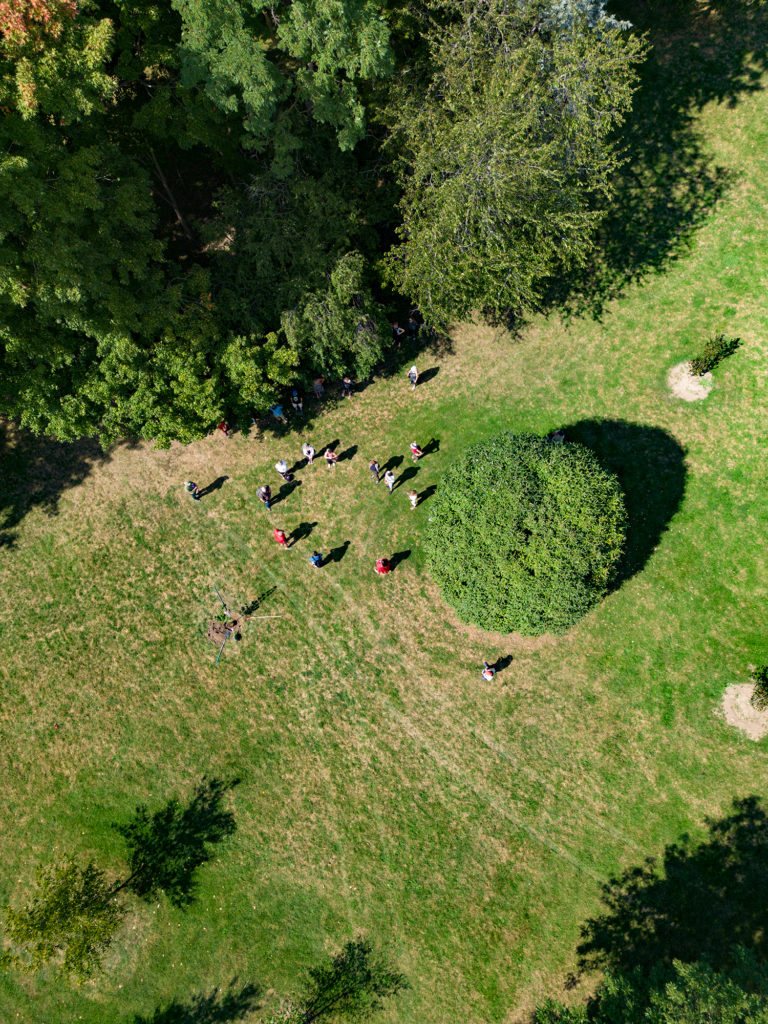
<point x="383" y="566"/>
<point x="280" y="537"/>
<point x="416" y="452"/>
<point x="224" y="428"/>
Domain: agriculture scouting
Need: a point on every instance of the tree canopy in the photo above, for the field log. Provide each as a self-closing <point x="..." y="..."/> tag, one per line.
<point x="198" y="200"/>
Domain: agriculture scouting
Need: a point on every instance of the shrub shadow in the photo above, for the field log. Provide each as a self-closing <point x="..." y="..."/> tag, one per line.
<point x="167" y="846"/>
<point x="35" y="471"/>
<point x="218" y="1007"/>
<point x="650" y="466"/>
<point x="701" y="901"/>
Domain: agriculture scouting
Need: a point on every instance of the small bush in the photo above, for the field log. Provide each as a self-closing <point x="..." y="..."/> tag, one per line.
<point x="716" y="349"/>
<point x="759" y="698"/>
<point x="525" y="535"/>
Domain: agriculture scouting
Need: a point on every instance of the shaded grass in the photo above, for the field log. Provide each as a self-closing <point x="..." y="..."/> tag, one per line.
<point x="466" y="828"/>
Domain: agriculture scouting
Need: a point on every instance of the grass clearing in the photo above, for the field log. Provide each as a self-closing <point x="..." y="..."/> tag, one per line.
<point x="466" y="828"/>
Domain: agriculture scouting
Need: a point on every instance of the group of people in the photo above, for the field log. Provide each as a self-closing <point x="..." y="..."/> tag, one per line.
<point x="383" y="566"/>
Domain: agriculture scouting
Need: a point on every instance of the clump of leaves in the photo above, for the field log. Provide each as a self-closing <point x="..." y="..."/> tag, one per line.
<point x="759" y="698"/>
<point x="715" y="350"/>
<point x="526" y="535"/>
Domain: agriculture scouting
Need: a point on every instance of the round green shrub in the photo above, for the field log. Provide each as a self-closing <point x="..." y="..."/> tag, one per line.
<point x="525" y="534"/>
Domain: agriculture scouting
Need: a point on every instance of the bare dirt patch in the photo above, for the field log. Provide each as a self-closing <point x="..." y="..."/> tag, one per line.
<point x="738" y="712"/>
<point x="686" y="385"/>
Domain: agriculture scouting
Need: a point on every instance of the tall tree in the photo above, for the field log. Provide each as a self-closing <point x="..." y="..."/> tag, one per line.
<point x="507" y="151"/>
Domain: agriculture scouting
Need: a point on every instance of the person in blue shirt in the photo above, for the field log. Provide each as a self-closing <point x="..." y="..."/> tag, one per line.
<point x="316" y="559"/>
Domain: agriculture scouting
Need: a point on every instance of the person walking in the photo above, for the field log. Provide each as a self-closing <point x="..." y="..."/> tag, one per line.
<point x="389" y="480"/>
<point x="488" y="672"/>
<point x="316" y="559"/>
<point x="413" y="497"/>
<point x="416" y="452"/>
<point x="382" y="566"/>
<point x="308" y="452"/>
<point x="280" y="537"/>
<point x="413" y="377"/>
<point x="265" y="494"/>
<point x="331" y="458"/>
<point x="191" y="488"/>
<point x="282" y="468"/>
<point x="375" y="469"/>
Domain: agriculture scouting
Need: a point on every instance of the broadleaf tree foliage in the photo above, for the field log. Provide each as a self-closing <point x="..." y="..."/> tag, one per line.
<point x="196" y="198"/>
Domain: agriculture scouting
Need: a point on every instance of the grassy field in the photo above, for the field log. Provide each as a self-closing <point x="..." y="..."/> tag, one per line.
<point x="465" y="827"/>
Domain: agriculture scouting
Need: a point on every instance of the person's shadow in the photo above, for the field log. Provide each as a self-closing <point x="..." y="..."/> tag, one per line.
<point x="428" y="375"/>
<point x="405" y="476"/>
<point x="333" y="445"/>
<point x="336" y="554"/>
<point x="348" y="454"/>
<point x="298" y="465"/>
<point x="393" y="463"/>
<point x="427" y="493"/>
<point x="398" y="557"/>
<point x="217" y="484"/>
<point x="432" y="447"/>
<point x="302" y="530"/>
<point x="501" y="663"/>
<point x="285" y="491"/>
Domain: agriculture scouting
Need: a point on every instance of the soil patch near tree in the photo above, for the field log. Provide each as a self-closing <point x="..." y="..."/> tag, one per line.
<point x="738" y="711"/>
<point x="686" y="385"/>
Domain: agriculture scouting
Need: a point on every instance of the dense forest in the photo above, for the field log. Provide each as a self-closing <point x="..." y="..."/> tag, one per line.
<point x="203" y="202"/>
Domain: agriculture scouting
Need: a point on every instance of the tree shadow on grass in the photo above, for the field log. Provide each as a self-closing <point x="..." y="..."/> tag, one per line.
<point x="669" y="185"/>
<point x="650" y="466"/>
<point x="35" y="471"/>
<point x="701" y="901"/>
<point x="167" y="846"/>
<point x="218" y="1007"/>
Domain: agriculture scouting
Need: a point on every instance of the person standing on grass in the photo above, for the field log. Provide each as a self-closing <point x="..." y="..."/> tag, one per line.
<point x="375" y="469"/>
<point x="389" y="480"/>
<point x="280" y="537"/>
<point x="265" y="494"/>
<point x="308" y="452"/>
<point x="297" y="402"/>
<point x="416" y="452"/>
<point x="413" y="497"/>
<point x="191" y="488"/>
<point x="224" y="428"/>
<point x="397" y="333"/>
<point x="318" y="386"/>
<point x="382" y="566"/>
<point x="413" y="377"/>
<point x="316" y="559"/>
<point x="346" y="387"/>
<point x="331" y="458"/>
<point x="488" y="672"/>
<point x="282" y="468"/>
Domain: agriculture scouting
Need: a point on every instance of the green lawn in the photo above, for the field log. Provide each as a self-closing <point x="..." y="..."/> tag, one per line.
<point x="385" y="789"/>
